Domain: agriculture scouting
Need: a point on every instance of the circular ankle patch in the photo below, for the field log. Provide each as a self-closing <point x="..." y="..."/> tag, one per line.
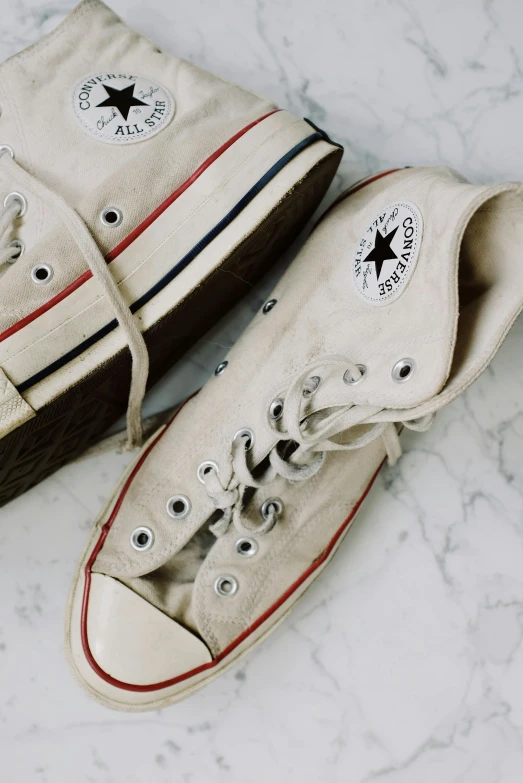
<point x="122" y="108"/>
<point x="387" y="253"/>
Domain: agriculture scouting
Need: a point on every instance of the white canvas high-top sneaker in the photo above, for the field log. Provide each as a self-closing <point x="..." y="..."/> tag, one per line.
<point x="397" y="303"/>
<point x="140" y="197"/>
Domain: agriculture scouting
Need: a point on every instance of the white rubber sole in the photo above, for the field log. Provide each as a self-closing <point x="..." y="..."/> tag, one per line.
<point x="157" y="250"/>
<point x="151" y="697"/>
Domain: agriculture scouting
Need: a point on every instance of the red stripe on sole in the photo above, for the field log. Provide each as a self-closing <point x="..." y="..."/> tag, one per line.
<point x="354" y="189"/>
<point x="134" y="234"/>
<point x="265" y="616"/>
<point x="241" y="638"/>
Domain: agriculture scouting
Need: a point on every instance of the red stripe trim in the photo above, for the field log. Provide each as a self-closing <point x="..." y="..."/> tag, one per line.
<point x="265" y="616"/>
<point x="227" y="651"/>
<point x="177" y="193"/>
<point x="134" y="234"/>
<point x="47" y="306"/>
<point x="354" y="189"/>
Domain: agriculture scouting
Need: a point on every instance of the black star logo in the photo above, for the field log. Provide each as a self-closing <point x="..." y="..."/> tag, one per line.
<point x="121" y="99"/>
<point x="382" y="250"/>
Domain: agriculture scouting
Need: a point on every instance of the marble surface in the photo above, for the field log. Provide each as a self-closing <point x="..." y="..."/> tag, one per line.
<point x="405" y="662"/>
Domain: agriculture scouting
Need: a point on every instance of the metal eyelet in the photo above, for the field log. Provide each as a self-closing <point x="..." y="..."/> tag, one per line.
<point x="221" y="368"/>
<point x="41" y="274"/>
<point x="178" y="507"/>
<point x="226" y="586"/>
<point x="247" y="435"/>
<point x="205" y="468"/>
<point x="16" y="198"/>
<point x="403" y="370"/>
<point x="19" y="246"/>
<point x="274" y="503"/>
<point x="246" y="547"/>
<point x="142" y="538"/>
<point x="6" y="148"/>
<point x="312" y="387"/>
<point x="350" y="381"/>
<point x="276" y="409"/>
<point x="111" y="217"/>
<point x="267" y="307"/>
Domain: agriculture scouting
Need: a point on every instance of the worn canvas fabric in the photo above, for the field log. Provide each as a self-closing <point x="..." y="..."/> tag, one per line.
<point x="140" y="198"/>
<point x="397" y="303"/>
<point x="37" y="91"/>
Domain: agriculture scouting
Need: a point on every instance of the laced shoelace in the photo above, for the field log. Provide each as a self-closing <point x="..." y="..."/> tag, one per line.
<point x="302" y="449"/>
<point x="9" y="251"/>
<point x="98" y="266"/>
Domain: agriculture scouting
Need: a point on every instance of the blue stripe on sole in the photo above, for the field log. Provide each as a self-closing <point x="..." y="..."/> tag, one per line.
<point x="179" y="267"/>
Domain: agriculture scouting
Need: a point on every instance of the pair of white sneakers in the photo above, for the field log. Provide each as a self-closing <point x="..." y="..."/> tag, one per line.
<point x="118" y="255"/>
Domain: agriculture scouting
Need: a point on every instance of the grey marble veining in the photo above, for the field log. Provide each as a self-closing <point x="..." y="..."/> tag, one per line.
<point x="405" y="662"/>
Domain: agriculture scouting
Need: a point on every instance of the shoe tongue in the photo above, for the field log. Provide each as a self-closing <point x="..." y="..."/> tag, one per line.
<point x="406" y="232"/>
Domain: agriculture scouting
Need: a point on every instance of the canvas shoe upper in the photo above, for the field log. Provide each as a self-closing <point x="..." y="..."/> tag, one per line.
<point x="131" y="182"/>
<point x="398" y="301"/>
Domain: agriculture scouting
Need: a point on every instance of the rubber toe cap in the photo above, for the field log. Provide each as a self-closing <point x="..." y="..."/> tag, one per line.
<point x="135" y="643"/>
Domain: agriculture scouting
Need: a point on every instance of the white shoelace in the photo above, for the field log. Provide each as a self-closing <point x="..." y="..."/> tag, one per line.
<point x="98" y="266"/>
<point x="9" y="251"/>
<point x="301" y="451"/>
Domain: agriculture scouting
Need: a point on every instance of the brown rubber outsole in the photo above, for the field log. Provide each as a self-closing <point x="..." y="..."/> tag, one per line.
<point x="62" y="430"/>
